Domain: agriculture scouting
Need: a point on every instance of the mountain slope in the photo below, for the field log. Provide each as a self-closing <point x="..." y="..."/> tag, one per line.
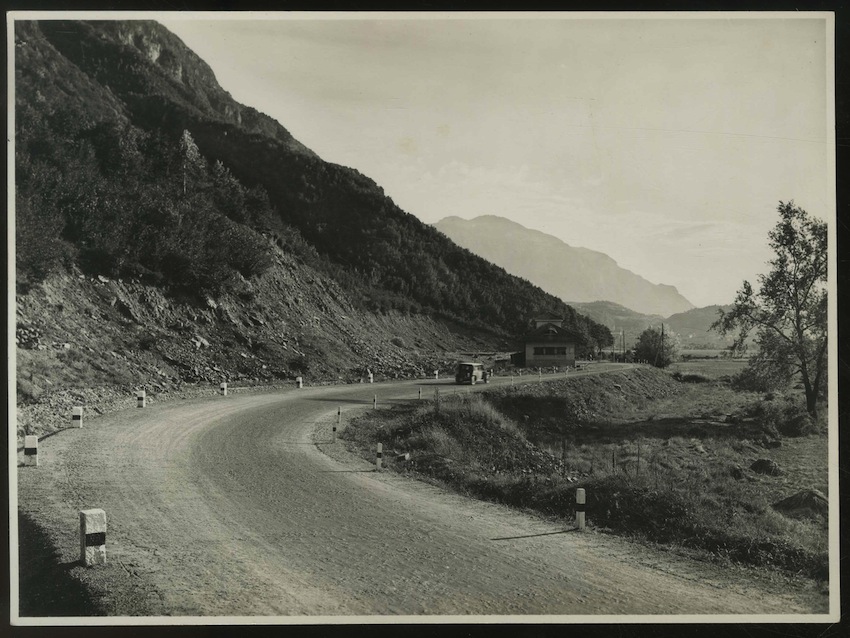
<point x="385" y="258"/>
<point x="166" y="234"/>
<point x="693" y="327"/>
<point x="571" y="273"/>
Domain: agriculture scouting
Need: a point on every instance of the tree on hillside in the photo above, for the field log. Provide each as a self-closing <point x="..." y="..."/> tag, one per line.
<point x="191" y="160"/>
<point x="657" y="346"/>
<point x="789" y="312"/>
<point x="602" y="336"/>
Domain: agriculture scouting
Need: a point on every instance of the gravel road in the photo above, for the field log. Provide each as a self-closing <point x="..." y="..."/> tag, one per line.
<point x="225" y="506"/>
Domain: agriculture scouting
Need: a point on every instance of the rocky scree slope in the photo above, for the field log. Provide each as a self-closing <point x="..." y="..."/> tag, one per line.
<point x="167" y="235"/>
<point x="92" y="341"/>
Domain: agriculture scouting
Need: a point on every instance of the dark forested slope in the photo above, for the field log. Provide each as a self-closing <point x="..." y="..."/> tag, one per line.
<point x="133" y="162"/>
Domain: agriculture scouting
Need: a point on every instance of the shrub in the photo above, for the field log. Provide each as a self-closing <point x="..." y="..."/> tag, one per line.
<point x="757" y="379"/>
<point x="798" y="424"/>
<point x="39" y="251"/>
<point x="634" y="507"/>
<point x="28" y="392"/>
<point x="785" y="415"/>
<point x="691" y="377"/>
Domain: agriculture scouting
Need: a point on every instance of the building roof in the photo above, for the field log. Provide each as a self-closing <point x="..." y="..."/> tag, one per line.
<point x="550" y="331"/>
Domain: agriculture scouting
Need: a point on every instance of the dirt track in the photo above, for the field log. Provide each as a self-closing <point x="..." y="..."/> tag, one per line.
<point x="225" y="507"/>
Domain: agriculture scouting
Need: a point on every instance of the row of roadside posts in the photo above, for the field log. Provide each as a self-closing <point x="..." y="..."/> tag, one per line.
<point x="93" y="521"/>
<point x="141" y="396"/>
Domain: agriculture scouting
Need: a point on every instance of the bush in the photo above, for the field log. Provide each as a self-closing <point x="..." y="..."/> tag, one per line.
<point x="798" y="424"/>
<point x="757" y="379"/>
<point x="691" y="377"/>
<point x="39" y="251"/>
<point x="28" y="392"/>
<point x="785" y="416"/>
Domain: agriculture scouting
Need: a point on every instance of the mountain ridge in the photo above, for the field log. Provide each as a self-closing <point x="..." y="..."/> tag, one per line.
<point x="166" y="235"/>
<point x="583" y="275"/>
<point x="693" y="327"/>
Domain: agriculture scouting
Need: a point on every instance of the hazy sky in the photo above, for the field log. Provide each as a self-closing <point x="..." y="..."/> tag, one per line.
<point x="665" y="143"/>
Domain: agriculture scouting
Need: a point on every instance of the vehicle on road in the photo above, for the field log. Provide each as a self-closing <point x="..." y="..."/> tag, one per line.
<point x="470" y="372"/>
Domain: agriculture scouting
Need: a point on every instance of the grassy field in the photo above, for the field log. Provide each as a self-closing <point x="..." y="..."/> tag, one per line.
<point x="662" y="460"/>
<point x="715" y="369"/>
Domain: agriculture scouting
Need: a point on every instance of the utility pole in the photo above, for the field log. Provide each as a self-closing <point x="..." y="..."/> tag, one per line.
<point x="614" y="344"/>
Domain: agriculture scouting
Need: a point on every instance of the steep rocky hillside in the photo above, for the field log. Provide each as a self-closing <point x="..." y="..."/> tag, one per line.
<point x="93" y="340"/>
<point x="385" y="258"/>
<point x="166" y="235"/>
<point x="569" y="272"/>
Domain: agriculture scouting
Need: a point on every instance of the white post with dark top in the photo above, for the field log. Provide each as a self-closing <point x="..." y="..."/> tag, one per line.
<point x="31" y="450"/>
<point x="580" y="508"/>
<point x="93" y="537"/>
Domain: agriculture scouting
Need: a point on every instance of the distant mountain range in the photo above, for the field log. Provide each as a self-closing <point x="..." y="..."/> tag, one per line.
<point x="568" y="272"/>
<point x="691" y="326"/>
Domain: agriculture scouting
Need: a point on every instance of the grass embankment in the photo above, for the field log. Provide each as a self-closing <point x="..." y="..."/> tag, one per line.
<point x="661" y="459"/>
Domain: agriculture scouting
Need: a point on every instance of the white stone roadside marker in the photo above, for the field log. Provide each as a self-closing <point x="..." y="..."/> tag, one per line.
<point x="77" y="417"/>
<point x="379" y="458"/>
<point x="299" y="382"/>
<point x="223" y="388"/>
<point x="31" y="450"/>
<point x="580" y="508"/>
<point x="371" y="378"/>
<point x="93" y="537"/>
<point x="141" y="399"/>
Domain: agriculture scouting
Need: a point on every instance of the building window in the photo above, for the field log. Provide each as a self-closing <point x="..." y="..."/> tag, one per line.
<point x="542" y="351"/>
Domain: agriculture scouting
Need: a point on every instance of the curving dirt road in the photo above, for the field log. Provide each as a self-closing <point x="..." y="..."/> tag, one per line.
<point x="225" y="507"/>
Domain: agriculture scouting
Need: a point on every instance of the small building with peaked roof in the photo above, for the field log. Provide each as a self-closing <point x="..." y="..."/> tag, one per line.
<point x="548" y="343"/>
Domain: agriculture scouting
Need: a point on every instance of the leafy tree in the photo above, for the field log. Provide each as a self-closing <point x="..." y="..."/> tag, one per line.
<point x="602" y="336"/>
<point x="659" y="349"/>
<point x="789" y="312"/>
<point x="191" y="160"/>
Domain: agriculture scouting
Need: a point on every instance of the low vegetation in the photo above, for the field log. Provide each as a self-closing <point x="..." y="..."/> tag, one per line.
<point x="662" y="460"/>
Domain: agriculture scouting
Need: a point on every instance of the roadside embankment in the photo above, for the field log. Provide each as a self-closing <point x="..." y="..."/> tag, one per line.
<point x="671" y="462"/>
